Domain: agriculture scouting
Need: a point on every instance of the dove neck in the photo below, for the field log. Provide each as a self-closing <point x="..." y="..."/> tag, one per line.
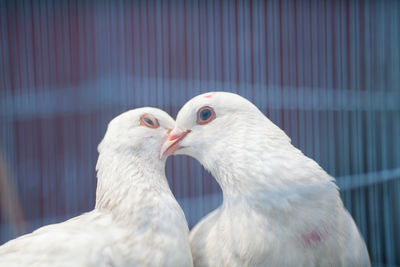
<point x="269" y="180"/>
<point x="129" y="181"/>
<point x="273" y="192"/>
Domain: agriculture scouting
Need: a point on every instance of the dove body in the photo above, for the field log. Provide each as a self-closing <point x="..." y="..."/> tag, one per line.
<point x="280" y="208"/>
<point x="136" y="220"/>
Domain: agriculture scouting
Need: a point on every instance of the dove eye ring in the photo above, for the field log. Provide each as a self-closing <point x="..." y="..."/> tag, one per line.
<point x="205" y="115"/>
<point x="149" y="121"/>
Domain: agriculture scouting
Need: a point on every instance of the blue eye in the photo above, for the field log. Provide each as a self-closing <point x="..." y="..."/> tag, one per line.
<point x="205" y="115"/>
<point x="148" y="121"/>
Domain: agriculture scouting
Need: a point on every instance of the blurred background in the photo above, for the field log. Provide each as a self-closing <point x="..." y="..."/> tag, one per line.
<point x="327" y="72"/>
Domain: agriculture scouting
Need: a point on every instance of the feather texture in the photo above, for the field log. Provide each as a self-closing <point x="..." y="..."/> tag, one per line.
<point x="136" y="220"/>
<point x="280" y="208"/>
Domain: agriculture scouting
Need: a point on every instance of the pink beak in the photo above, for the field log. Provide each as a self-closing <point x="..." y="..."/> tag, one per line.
<point x="171" y="144"/>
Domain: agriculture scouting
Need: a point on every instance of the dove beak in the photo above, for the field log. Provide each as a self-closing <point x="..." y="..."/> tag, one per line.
<point x="171" y="144"/>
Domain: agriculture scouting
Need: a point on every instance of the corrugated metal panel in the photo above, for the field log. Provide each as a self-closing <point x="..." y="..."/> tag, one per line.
<point x="327" y="72"/>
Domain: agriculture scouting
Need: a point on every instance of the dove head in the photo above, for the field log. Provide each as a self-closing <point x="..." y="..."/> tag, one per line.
<point x="223" y="131"/>
<point x="129" y="157"/>
<point x="139" y="132"/>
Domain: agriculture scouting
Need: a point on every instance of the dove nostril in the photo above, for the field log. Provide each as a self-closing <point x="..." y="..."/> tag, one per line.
<point x="173" y="137"/>
<point x="175" y="134"/>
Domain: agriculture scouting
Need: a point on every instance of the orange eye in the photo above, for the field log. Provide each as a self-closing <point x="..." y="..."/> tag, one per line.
<point x="205" y="115"/>
<point x="149" y="121"/>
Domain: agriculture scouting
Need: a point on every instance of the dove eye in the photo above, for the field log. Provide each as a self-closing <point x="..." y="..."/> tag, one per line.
<point x="205" y="115"/>
<point x="149" y="121"/>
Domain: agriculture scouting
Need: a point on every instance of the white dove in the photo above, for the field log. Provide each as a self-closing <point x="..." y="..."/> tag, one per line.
<point x="280" y="208"/>
<point x="136" y="220"/>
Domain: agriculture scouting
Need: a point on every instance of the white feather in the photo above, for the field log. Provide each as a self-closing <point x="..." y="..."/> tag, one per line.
<point x="280" y="208"/>
<point x="136" y="221"/>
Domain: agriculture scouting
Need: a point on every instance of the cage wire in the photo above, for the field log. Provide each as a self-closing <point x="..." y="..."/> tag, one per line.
<point x="326" y="72"/>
